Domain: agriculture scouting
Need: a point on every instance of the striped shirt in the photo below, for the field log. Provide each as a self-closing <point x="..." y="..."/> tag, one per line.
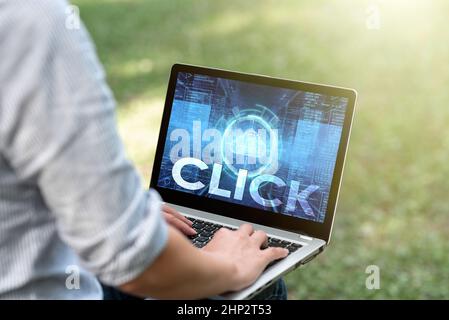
<point x="72" y="207"/>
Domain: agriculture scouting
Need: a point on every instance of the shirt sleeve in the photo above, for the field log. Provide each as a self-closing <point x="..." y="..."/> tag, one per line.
<point x="58" y="130"/>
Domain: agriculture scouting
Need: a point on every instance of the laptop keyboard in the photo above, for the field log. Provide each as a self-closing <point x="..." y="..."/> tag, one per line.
<point x="206" y="230"/>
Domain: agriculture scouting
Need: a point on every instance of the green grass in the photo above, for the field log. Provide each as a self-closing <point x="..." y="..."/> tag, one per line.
<point x="394" y="207"/>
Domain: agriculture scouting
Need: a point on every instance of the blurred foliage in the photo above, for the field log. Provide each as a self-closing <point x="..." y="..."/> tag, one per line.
<point x="393" y="210"/>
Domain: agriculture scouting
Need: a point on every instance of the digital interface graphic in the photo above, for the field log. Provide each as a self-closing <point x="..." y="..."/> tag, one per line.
<point x="254" y="145"/>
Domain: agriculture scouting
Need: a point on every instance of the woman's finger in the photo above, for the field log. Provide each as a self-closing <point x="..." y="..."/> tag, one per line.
<point x="180" y="225"/>
<point x="174" y="212"/>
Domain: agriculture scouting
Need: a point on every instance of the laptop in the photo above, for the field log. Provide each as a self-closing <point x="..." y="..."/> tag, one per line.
<point x="240" y="148"/>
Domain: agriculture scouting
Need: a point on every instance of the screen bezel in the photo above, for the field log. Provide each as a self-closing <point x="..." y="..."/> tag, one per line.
<point x="321" y="230"/>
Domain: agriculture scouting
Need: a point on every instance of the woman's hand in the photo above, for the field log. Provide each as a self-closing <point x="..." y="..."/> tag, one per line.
<point x="178" y="221"/>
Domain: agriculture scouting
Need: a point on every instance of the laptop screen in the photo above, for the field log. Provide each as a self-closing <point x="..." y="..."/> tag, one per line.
<point x="255" y="145"/>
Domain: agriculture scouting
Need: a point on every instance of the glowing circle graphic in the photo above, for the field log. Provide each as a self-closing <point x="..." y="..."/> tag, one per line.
<point x="247" y="139"/>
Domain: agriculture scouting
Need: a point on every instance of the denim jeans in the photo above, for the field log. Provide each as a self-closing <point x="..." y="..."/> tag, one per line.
<point x="277" y="291"/>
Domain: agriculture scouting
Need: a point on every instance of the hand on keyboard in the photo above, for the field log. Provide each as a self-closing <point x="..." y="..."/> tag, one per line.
<point x="178" y="221"/>
<point x="206" y="230"/>
<point x="242" y="250"/>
